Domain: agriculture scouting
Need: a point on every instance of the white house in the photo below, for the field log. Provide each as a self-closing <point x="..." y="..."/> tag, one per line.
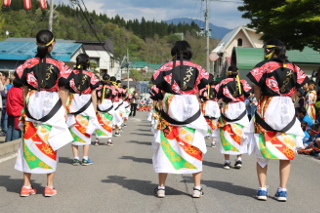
<point x="239" y="37"/>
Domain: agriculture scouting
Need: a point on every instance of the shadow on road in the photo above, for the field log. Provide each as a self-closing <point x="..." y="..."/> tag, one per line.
<point x="14" y="185"/>
<point x="212" y="164"/>
<point x="139" y="160"/>
<point x="65" y="160"/>
<point x="140" y="143"/>
<point x="151" y="135"/>
<point x="140" y="186"/>
<point x="227" y="187"/>
<point x="143" y="130"/>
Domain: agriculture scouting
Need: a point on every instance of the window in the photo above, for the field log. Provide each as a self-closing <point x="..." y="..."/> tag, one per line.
<point x="239" y="42"/>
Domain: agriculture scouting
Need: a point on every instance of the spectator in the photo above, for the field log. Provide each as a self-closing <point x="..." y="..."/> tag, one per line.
<point x="4" y="116"/>
<point x="248" y="106"/>
<point x="304" y="126"/>
<point x="299" y="99"/>
<point x="311" y="98"/>
<point x="312" y="146"/>
<point x="253" y="102"/>
<point x="302" y="116"/>
<point x="134" y="103"/>
<point x="14" y="108"/>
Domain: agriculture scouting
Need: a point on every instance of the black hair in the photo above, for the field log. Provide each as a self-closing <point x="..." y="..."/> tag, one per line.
<point x="279" y="50"/>
<point x="232" y="73"/>
<point x="113" y="78"/>
<point x="106" y="77"/>
<point x="124" y="87"/>
<point x="312" y="82"/>
<point x="5" y="74"/>
<point x="302" y="110"/>
<point x="16" y="83"/>
<point x="304" y="125"/>
<point x="314" y="127"/>
<point x="83" y="61"/>
<point x="181" y="50"/>
<point x="118" y="81"/>
<point x="44" y="38"/>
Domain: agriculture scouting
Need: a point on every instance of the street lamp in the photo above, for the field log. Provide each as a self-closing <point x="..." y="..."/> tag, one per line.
<point x="7" y="33"/>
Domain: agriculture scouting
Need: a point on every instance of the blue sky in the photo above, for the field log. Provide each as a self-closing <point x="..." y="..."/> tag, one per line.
<point x="222" y="13"/>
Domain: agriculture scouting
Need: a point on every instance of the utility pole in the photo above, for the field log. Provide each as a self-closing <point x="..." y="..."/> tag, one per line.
<point x="128" y="64"/>
<point x="51" y="15"/>
<point x="207" y="34"/>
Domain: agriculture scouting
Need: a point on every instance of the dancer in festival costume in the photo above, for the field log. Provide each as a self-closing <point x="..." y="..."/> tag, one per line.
<point x="311" y="98"/>
<point x="117" y="103"/>
<point x="81" y="107"/>
<point x="233" y="117"/>
<point x="43" y="125"/>
<point x="105" y="110"/>
<point x="179" y="138"/>
<point x="126" y="105"/>
<point x="275" y="132"/>
<point x="121" y="106"/>
<point x="156" y="96"/>
<point x="210" y="110"/>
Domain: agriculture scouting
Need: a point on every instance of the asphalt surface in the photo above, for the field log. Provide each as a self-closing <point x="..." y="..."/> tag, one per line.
<point x="122" y="180"/>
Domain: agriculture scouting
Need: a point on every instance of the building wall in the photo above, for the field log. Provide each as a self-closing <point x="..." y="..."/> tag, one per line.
<point x="103" y="59"/>
<point x="255" y="38"/>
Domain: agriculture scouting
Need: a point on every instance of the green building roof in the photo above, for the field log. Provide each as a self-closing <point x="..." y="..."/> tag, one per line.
<point x="247" y="58"/>
<point x="143" y="64"/>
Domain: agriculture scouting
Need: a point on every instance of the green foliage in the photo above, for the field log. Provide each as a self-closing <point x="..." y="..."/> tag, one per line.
<point x="295" y="22"/>
<point x="145" y="40"/>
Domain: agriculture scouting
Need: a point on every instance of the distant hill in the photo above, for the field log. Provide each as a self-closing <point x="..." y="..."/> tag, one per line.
<point x="216" y="32"/>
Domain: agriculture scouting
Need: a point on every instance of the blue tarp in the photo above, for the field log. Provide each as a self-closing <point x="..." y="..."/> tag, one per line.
<point x="21" y="51"/>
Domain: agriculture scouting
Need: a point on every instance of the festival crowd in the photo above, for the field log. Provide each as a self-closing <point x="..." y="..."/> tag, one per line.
<point x="275" y="118"/>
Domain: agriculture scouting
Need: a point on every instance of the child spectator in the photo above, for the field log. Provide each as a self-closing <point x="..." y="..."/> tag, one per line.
<point x="303" y="116"/>
<point x="313" y="144"/>
<point x="304" y="126"/>
<point x="14" y="105"/>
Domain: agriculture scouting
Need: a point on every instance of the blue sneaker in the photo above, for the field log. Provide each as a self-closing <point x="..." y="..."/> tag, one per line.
<point x="262" y="194"/>
<point x="281" y="196"/>
<point x="86" y="162"/>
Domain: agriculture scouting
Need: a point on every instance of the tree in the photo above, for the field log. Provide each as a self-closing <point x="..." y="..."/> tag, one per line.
<point x="295" y="22"/>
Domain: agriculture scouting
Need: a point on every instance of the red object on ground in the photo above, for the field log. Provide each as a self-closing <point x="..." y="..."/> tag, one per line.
<point x="27" y="4"/>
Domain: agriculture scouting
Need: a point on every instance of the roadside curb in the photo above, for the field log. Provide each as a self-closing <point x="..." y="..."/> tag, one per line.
<point x="8" y="149"/>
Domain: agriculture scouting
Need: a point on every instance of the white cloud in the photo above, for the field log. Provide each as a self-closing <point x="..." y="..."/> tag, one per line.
<point x="224" y="14"/>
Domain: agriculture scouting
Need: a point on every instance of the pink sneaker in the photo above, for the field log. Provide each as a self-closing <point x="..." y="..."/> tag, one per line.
<point x="25" y="192"/>
<point x="49" y="192"/>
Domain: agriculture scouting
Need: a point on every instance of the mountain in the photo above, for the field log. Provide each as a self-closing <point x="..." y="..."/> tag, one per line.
<point x="216" y="32"/>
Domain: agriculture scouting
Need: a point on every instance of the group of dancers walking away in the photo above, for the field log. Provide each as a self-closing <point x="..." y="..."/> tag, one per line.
<point x="64" y="105"/>
<point x="186" y="110"/>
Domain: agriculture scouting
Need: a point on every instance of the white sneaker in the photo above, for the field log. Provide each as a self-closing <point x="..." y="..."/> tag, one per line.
<point x="197" y="193"/>
<point x="159" y="192"/>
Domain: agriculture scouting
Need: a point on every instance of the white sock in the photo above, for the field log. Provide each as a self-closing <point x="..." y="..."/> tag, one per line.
<point x="76" y="158"/>
<point x="85" y="157"/>
<point x="51" y="187"/>
<point x="227" y="161"/>
<point x="239" y="158"/>
<point x="161" y="187"/>
<point x="28" y="187"/>
<point x="197" y="187"/>
<point x="263" y="188"/>
<point x="282" y="189"/>
<point x="109" y="140"/>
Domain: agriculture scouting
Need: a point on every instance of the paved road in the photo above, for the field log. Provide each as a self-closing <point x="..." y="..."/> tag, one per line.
<point x="122" y="180"/>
